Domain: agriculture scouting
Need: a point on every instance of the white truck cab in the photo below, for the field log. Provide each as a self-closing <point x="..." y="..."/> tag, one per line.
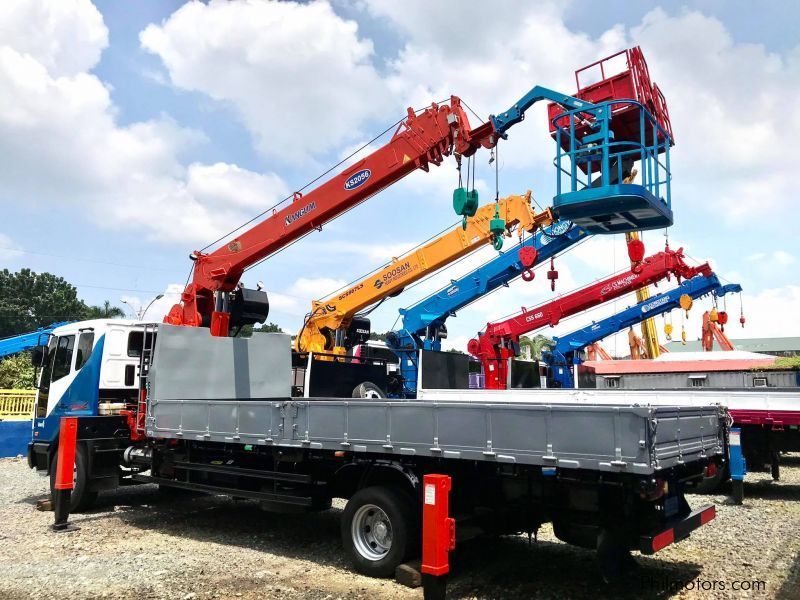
<point x="88" y="368"/>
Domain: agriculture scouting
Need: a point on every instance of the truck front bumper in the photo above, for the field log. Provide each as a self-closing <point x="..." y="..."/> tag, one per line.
<point x="676" y="530"/>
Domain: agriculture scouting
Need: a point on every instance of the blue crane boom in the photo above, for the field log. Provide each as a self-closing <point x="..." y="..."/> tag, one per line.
<point x="26" y="341"/>
<point x="423" y="324"/>
<point x="565" y="352"/>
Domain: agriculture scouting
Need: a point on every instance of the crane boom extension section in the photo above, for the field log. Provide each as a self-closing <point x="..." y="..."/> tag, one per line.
<point x="565" y="352"/>
<point x="422" y="139"/>
<point x="424" y="323"/>
<point x="25" y="341"/>
<point x="500" y="342"/>
<point x="325" y="328"/>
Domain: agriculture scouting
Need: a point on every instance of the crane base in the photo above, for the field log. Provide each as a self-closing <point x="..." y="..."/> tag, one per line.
<point x="613" y="209"/>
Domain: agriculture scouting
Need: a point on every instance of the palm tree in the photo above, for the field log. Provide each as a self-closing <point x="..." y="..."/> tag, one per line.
<point x="104" y="312"/>
<point x="531" y="348"/>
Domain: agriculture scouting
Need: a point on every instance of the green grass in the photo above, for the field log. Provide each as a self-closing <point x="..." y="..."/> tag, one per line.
<point x="785" y="363"/>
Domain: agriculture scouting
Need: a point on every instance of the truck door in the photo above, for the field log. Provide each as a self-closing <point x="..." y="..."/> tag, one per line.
<point x="58" y="395"/>
<point x="44" y="379"/>
<point x="55" y="380"/>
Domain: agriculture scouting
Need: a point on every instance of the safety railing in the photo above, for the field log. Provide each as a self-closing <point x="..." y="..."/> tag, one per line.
<point x="17" y="404"/>
<point x="598" y="155"/>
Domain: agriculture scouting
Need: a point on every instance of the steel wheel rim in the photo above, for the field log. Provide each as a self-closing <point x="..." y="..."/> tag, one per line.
<point x="372" y="395"/>
<point x="371" y="531"/>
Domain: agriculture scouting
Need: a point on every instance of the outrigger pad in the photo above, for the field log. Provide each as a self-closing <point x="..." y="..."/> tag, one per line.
<point x="613" y="209"/>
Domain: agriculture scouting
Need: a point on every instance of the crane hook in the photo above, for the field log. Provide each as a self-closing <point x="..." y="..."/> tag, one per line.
<point x="741" y="311"/>
<point x="552" y="275"/>
<point x="527" y="258"/>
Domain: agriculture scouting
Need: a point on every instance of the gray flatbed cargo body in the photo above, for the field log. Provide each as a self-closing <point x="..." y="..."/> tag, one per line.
<point x="238" y="391"/>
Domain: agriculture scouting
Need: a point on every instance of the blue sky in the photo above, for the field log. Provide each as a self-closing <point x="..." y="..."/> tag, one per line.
<point x="135" y="132"/>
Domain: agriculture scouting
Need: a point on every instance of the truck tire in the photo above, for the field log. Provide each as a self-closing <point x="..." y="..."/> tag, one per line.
<point x="709" y="485"/>
<point x="737" y="491"/>
<point x="81" y="498"/>
<point x="775" y="466"/>
<point x="369" y="391"/>
<point x="379" y="530"/>
<point x="614" y="557"/>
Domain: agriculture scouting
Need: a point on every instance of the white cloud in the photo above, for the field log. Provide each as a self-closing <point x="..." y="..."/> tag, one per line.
<point x="65" y="37"/>
<point x="62" y="145"/>
<point x="159" y="307"/>
<point x="9" y="249"/>
<point x="297" y="75"/>
<point x="725" y="101"/>
<point x="492" y="72"/>
<point x="730" y="159"/>
<point x="295" y="300"/>
<point x="223" y="185"/>
<point x="772" y="312"/>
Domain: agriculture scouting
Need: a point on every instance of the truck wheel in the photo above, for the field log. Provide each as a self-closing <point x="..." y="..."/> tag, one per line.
<point x="776" y="466"/>
<point x="737" y="491"/>
<point x="613" y="557"/>
<point x="369" y="391"/>
<point x="81" y="498"/>
<point x="379" y="530"/>
<point x="709" y="485"/>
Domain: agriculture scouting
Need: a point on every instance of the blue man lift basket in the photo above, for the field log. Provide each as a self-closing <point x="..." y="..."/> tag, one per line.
<point x="596" y="186"/>
<point x="614" y="209"/>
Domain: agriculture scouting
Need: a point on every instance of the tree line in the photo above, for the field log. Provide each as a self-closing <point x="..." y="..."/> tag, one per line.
<point x="30" y="300"/>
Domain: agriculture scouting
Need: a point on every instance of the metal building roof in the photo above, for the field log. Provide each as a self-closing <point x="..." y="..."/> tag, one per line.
<point x="626" y="367"/>
<point x="762" y="345"/>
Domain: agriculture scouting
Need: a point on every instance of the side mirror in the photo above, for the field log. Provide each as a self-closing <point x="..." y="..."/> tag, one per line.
<point x="38" y="355"/>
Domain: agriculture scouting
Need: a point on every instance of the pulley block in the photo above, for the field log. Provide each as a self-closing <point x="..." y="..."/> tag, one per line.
<point x="636" y="250"/>
<point x="465" y="202"/>
<point x="528" y="256"/>
<point x="686" y="302"/>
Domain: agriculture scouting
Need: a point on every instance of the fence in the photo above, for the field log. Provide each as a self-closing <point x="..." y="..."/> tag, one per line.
<point x="17" y="404"/>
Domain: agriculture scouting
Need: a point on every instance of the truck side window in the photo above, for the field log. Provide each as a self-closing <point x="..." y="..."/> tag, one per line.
<point x="137" y="341"/>
<point x="62" y="362"/>
<point x="84" y="350"/>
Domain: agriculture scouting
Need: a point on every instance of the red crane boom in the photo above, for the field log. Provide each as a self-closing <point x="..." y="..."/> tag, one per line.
<point x="500" y="341"/>
<point x="421" y="139"/>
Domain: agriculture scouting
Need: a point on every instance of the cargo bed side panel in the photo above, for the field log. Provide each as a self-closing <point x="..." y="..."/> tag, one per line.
<point x="237" y="390"/>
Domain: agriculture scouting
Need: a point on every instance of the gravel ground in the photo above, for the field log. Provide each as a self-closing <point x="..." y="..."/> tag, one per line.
<point x="139" y="544"/>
